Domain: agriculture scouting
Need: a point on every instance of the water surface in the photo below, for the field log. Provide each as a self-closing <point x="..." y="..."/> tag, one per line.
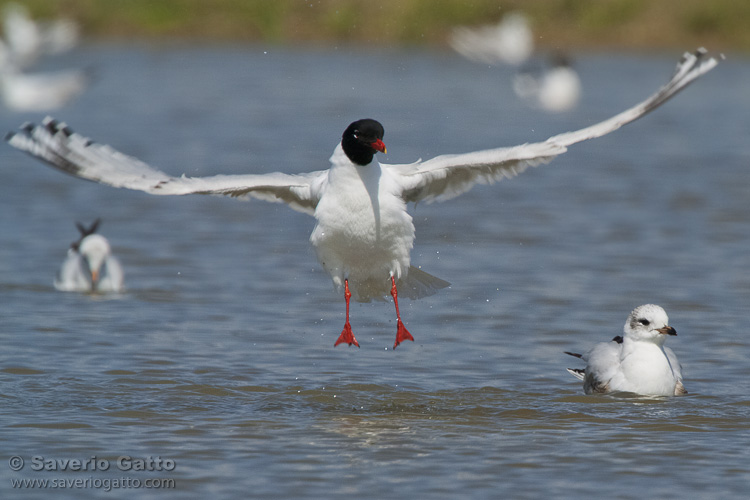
<point x="220" y="354"/>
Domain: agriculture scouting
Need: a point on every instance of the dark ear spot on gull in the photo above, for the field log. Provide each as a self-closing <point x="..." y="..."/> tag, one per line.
<point x="643" y="365"/>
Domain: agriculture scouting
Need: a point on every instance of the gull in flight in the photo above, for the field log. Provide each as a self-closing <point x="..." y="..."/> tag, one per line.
<point x="511" y="41"/>
<point x="28" y="40"/>
<point x="25" y="41"/>
<point x="636" y="362"/>
<point x="90" y="266"/>
<point x="363" y="234"/>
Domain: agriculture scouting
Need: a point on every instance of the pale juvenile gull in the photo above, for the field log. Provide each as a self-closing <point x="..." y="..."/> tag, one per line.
<point x="637" y="362"/>
<point x="364" y="234"/>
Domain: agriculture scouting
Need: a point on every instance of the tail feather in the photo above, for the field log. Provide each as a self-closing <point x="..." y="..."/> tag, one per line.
<point x="418" y="284"/>
<point x="578" y="373"/>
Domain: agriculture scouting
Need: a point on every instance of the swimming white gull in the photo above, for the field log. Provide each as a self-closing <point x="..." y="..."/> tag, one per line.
<point x="636" y="362"/>
<point x="555" y="89"/>
<point x="40" y="91"/>
<point x="364" y="234"/>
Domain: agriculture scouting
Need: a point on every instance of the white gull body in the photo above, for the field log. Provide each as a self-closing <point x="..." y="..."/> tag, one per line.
<point x="556" y="90"/>
<point x="560" y="89"/>
<point x="511" y="41"/>
<point x="363" y="230"/>
<point x="40" y="91"/>
<point x="28" y="40"/>
<point x="637" y="362"/>
<point x="90" y="267"/>
<point x="364" y="234"/>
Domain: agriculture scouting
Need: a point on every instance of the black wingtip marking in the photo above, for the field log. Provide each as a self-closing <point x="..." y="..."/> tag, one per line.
<point x="9" y="136"/>
<point x="617" y="339"/>
<point x="574" y="354"/>
<point x="51" y="125"/>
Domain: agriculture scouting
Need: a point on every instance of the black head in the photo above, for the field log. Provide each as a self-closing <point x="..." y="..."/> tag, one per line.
<point x="362" y="139"/>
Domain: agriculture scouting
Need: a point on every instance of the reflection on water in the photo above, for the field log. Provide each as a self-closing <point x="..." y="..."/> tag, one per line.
<point x="219" y="355"/>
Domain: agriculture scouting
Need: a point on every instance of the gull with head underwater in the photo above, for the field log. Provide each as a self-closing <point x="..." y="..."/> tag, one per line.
<point x="363" y="234"/>
<point x="90" y="266"/>
<point x="637" y="362"/>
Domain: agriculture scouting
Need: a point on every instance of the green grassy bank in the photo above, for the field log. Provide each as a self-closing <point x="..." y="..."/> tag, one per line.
<point x="601" y="24"/>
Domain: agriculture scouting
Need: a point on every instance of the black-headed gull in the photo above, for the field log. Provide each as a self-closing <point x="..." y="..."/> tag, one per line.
<point x="90" y="266"/>
<point x="364" y="234"/>
<point x="637" y="362"/>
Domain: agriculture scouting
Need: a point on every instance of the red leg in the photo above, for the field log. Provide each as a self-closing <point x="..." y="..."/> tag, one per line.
<point x="346" y="335"/>
<point x="401" y="332"/>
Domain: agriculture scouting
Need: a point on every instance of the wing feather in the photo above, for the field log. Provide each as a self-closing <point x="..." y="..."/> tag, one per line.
<point x="679" y="389"/>
<point x="602" y="364"/>
<point x="60" y="147"/>
<point x="438" y="179"/>
<point x="447" y="176"/>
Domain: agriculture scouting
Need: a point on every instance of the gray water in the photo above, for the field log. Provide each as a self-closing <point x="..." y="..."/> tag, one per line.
<point x="219" y="358"/>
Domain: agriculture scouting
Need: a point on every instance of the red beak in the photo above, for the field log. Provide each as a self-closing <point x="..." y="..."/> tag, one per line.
<point x="378" y="145"/>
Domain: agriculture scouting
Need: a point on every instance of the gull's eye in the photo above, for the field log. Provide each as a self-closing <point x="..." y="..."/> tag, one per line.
<point x="644" y="322"/>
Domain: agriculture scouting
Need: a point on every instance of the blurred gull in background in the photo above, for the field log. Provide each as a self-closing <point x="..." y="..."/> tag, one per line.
<point x="510" y="41"/>
<point x="554" y="89"/>
<point x="25" y="42"/>
<point x="40" y="91"/>
<point x="90" y="266"/>
<point x="28" y="40"/>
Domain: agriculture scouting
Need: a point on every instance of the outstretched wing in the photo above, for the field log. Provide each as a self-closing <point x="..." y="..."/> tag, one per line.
<point x="56" y="144"/>
<point x="447" y="176"/>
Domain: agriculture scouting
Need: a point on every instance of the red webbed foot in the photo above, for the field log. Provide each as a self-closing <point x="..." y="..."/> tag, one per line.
<point x="402" y="334"/>
<point x="347" y="337"/>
